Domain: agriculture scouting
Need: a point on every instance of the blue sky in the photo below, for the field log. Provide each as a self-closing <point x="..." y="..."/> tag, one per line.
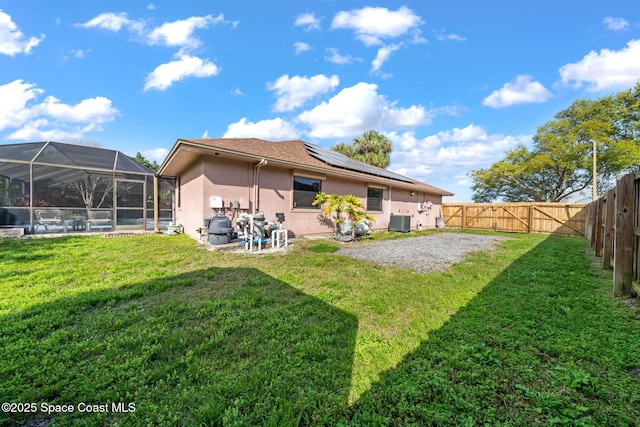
<point x="452" y="84"/>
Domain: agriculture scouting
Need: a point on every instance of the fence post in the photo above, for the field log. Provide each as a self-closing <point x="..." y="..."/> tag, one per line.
<point x="598" y="226"/>
<point x="463" y="223"/>
<point x="623" y="257"/>
<point x="607" y="244"/>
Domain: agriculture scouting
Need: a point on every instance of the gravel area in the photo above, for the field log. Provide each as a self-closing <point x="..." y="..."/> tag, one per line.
<point x="423" y="253"/>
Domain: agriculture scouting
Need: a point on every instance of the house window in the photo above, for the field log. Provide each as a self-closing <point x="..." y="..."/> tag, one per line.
<point x="374" y="199"/>
<point x="304" y="192"/>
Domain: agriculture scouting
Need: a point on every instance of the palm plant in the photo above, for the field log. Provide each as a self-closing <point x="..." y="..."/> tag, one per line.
<point x="343" y="208"/>
<point x="371" y="147"/>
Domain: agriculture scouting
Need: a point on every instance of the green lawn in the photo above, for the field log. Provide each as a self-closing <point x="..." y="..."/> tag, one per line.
<point x="526" y="335"/>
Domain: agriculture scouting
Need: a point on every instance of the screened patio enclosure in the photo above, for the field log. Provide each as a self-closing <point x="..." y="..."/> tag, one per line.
<point x="53" y="187"/>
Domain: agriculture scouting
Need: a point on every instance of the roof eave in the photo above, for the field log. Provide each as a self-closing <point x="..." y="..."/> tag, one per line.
<point x="418" y="186"/>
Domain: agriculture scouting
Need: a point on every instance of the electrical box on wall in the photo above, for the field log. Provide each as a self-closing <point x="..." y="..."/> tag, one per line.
<point x="420" y="207"/>
<point x="215" y="202"/>
<point x="234" y="204"/>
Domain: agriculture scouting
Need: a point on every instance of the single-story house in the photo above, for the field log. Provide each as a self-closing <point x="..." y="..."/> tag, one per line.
<point x="232" y="176"/>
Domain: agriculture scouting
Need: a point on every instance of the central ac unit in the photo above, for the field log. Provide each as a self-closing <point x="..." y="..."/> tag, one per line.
<point x="401" y="223"/>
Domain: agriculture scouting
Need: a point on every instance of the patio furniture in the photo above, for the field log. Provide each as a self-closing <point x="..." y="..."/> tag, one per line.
<point x="47" y="217"/>
<point x="76" y="223"/>
<point x="99" y="218"/>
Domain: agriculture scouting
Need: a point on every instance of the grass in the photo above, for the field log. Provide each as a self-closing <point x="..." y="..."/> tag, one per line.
<point x="526" y="335"/>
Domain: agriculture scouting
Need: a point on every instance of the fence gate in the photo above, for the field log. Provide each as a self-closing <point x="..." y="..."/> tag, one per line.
<point x="547" y="218"/>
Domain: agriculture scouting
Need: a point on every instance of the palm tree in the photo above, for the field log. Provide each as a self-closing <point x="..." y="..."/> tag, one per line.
<point x="372" y="148"/>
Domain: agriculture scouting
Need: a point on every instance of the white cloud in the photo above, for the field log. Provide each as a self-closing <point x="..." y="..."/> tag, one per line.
<point x="12" y="40"/>
<point x="180" y="33"/>
<point x="521" y="91"/>
<point x="151" y="6"/>
<point x="273" y="130"/>
<point x="357" y="109"/>
<point x="309" y="21"/>
<point x="50" y="119"/>
<point x="615" y="24"/>
<point x="336" y="58"/>
<point x="451" y="36"/>
<point x="157" y="154"/>
<point x="294" y="91"/>
<point x="13" y="108"/>
<point x="114" y="22"/>
<point x="417" y="37"/>
<point x="373" y="24"/>
<point x="609" y="69"/>
<point x="301" y="47"/>
<point x="186" y="66"/>
<point x="383" y="55"/>
<point x="456" y="151"/>
<point x="95" y="110"/>
<point x="33" y="131"/>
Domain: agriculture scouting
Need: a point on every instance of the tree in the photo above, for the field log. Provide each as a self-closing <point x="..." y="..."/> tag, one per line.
<point x="559" y="164"/>
<point x="343" y="208"/>
<point x="143" y="161"/>
<point x="371" y="147"/>
<point x="94" y="190"/>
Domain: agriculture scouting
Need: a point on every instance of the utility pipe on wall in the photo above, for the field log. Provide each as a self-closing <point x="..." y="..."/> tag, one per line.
<point x="389" y="203"/>
<point x="256" y="183"/>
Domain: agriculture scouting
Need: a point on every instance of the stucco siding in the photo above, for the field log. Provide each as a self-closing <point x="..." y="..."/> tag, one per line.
<point x="269" y="189"/>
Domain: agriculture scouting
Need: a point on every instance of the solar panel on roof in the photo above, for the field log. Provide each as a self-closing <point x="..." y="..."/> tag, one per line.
<point x="338" y="160"/>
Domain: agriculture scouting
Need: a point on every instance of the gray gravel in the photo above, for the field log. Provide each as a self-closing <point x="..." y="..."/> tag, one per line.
<point x="423" y="253"/>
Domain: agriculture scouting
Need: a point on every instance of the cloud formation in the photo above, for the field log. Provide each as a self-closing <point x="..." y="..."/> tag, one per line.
<point x="115" y="22"/>
<point x="357" y="109"/>
<point x="372" y="25"/>
<point x="615" y="24"/>
<point x="178" y="34"/>
<point x="50" y="119"/>
<point x="605" y="70"/>
<point x="301" y="47"/>
<point x="294" y="91"/>
<point x="308" y="21"/>
<point x="383" y="55"/>
<point x="453" y="152"/>
<point x="12" y="40"/>
<point x="272" y="130"/>
<point x="520" y="91"/>
<point x="167" y="74"/>
<point x="339" y="59"/>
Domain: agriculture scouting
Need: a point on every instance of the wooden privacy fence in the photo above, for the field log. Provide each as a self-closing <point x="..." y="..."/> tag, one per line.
<point x="567" y="219"/>
<point x="612" y="228"/>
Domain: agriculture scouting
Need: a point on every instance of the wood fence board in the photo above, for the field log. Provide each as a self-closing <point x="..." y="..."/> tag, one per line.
<point x="623" y="253"/>
<point x="567" y="219"/>
<point x="607" y="241"/>
<point x="617" y="216"/>
<point x="598" y="228"/>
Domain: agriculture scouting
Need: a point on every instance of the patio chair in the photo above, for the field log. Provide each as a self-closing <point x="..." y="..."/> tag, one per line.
<point x="99" y="218"/>
<point x="47" y="217"/>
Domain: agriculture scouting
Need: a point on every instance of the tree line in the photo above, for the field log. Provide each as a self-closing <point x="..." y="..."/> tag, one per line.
<point x="559" y="163"/>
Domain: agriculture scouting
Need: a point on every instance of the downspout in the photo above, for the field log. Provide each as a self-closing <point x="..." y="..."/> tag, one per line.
<point x="256" y="183"/>
<point x="390" y="213"/>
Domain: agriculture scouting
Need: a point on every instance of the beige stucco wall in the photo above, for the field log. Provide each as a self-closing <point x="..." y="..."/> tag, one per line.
<point x="234" y="180"/>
